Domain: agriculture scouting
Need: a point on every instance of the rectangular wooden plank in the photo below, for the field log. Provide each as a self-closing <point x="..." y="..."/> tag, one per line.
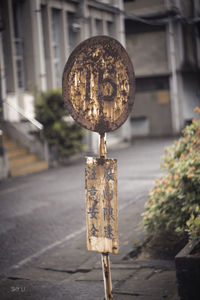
<point x="101" y="205"/>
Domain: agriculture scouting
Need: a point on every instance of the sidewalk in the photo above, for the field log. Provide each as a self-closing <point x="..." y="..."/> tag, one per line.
<point x="132" y="279"/>
<point x="69" y="271"/>
<point x="148" y="280"/>
<point x="61" y="267"/>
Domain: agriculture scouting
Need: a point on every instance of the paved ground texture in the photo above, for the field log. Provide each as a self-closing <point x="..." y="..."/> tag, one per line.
<point x="43" y="251"/>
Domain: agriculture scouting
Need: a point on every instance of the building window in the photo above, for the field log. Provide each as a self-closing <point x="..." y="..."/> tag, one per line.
<point x="19" y="43"/>
<point x="99" y="26"/>
<point x="133" y="26"/>
<point x="73" y="30"/>
<point x="152" y="83"/>
<point x="56" y="45"/>
<point x="110" y="28"/>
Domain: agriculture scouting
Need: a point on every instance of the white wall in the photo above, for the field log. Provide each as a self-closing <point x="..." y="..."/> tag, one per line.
<point x="18" y="102"/>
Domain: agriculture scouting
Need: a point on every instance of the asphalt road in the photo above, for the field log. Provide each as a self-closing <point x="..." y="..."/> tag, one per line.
<point x="43" y="211"/>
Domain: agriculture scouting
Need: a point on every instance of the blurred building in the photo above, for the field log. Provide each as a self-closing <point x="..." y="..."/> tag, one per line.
<point x="36" y="38"/>
<point x="163" y="40"/>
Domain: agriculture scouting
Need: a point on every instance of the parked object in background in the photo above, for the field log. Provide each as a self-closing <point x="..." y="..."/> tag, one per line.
<point x="188" y="271"/>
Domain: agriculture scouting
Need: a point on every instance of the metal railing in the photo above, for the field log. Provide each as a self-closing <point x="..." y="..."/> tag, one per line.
<point x="27" y="116"/>
<point x="35" y="123"/>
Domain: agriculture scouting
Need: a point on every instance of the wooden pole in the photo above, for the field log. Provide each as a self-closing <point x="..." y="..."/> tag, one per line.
<point x="107" y="276"/>
<point x="102" y="149"/>
<point x="105" y="256"/>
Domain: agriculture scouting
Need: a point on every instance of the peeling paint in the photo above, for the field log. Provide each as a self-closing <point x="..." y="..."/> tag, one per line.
<point x="99" y="84"/>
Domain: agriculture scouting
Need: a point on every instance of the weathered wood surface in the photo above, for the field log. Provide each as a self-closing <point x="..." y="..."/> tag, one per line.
<point x="107" y="276"/>
<point x="101" y="205"/>
<point x="99" y="84"/>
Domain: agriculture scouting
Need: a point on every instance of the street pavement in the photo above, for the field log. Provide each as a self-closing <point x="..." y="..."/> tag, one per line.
<point x="43" y="252"/>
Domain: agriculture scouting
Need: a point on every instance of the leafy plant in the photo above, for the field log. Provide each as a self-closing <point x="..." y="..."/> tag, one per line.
<point x="65" y="136"/>
<point x="174" y="201"/>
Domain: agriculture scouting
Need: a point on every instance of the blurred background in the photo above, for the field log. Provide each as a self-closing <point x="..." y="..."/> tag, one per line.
<point x="162" y="37"/>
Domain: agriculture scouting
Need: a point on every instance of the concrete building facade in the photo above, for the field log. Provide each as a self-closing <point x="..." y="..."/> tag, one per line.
<point x="36" y="39"/>
<point x="163" y="40"/>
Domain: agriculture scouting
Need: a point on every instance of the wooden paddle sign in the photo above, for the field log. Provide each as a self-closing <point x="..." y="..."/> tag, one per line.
<point x="101" y="204"/>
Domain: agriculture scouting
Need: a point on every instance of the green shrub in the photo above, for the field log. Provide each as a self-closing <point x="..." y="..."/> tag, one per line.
<point x="65" y="137"/>
<point x="174" y="202"/>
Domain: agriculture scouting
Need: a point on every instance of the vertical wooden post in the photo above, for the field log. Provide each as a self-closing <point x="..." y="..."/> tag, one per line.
<point x="102" y="149"/>
<point x="107" y="276"/>
<point x="105" y="256"/>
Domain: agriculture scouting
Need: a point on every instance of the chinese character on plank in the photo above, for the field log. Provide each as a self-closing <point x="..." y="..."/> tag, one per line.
<point x="92" y="191"/>
<point x="91" y="173"/>
<point x="108" y="173"/>
<point x="108" y="232"/>
<point x="93" y="211"/>
<point x="108" y="194"/>
<point x="108" y="214"/>
<point x="101" y="205"/>
<point x="94" y="231"/>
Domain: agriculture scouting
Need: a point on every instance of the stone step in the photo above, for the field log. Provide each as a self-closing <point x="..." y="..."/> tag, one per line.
<point x="5" y="137"/>
<point x="22" y="160"/>
<point x="10" y="144"/>
<point x="29" y="168"/>
<point x="17" y="152"/>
